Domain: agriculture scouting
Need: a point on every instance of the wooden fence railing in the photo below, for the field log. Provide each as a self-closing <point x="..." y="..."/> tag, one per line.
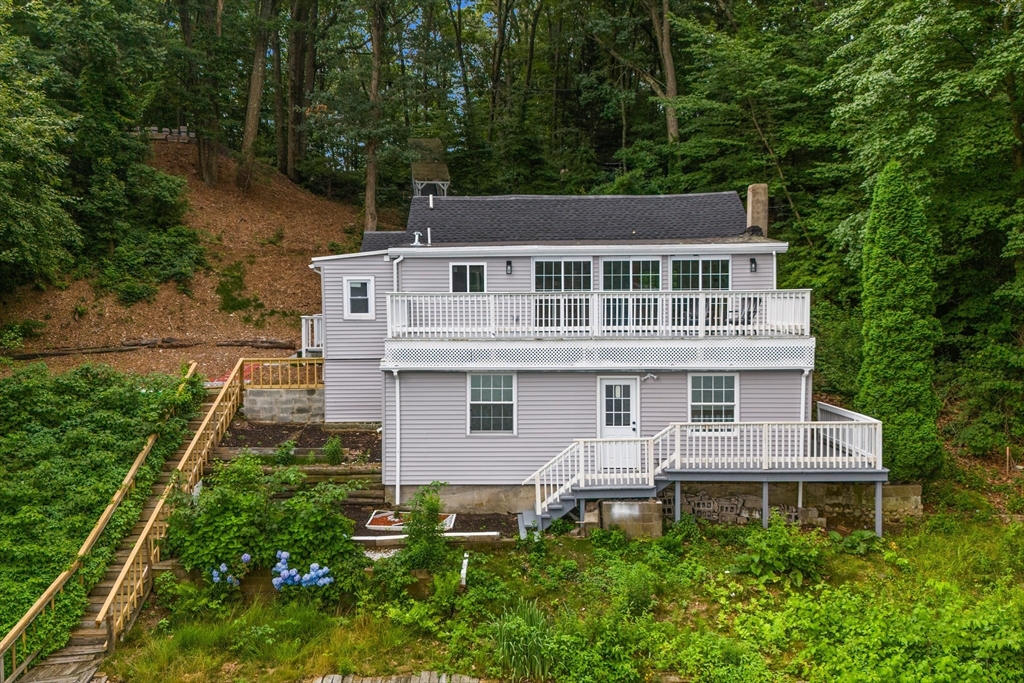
<point x="135" y="580"/>
<point x="15" y="654"/>
<point x="283" y="373"/>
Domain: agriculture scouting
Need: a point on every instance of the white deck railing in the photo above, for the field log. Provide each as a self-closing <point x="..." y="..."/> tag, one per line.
<point x="855" y="443"/>
<point x="312" y="334"/>
<point x="782" y="312"/>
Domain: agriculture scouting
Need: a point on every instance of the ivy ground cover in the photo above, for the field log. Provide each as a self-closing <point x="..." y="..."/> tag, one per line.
<point x="66" y="443"/>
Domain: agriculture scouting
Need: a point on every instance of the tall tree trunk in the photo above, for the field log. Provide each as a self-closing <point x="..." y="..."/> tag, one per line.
<point x="376" y="44"/>
<point x="309" y="72"/>
<point x="456" y="15"/>
<point x="663" y="35"/>
<point x="529" y="59"/>
<point x="503" y="9"/>
<point x="296" y="84"/>
<point x="253" y="105"/>
<point x="205" y="111"/>
<point x="280" y="116"/>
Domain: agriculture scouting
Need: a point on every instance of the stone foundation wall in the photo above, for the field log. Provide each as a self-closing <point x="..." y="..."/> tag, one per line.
<point x="478" y="499"/>
<point x="283" y="405"/>
<point x="740" y="503"/>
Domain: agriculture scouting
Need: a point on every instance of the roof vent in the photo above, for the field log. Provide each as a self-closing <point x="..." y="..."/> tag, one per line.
<point x="416" y="239"/>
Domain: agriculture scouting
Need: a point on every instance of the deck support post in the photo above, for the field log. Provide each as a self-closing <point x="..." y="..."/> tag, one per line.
<point x="677" y="500"/>
<point x="878" y="509"/>
<point x="764" y="504"/>
<point x="799" y="495"/>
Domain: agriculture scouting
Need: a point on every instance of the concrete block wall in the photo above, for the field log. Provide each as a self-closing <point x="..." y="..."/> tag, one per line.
<point x="739" y="502"/>
<point x="283" y="405"/>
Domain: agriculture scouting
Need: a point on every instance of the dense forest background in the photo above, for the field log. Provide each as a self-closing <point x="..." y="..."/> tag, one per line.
<point x="546" y="96"/>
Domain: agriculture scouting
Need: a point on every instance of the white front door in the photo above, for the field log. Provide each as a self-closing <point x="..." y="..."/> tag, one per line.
<point x="619" y="420"/>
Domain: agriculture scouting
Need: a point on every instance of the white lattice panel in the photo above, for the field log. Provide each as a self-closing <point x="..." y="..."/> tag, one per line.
<point x="705" y="355"/>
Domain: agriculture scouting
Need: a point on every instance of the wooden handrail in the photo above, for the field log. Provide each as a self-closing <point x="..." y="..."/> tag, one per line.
<point x="133" y="580"/>
<point x="8" y="644"/>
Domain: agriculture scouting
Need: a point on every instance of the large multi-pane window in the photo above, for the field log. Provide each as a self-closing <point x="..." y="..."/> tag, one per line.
<point x="631" y="314"/>
<point x="492" y="404"/>
<point x="562" y="276"/>
<point x="624" y="276"/>
<point x="468" y="277"/>
<point x="712" y="398"/>
<point x="569" y="313"/>
<point x="700" y="274"/>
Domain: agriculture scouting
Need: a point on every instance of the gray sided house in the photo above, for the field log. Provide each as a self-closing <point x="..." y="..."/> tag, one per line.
<point x="534" y="352"/>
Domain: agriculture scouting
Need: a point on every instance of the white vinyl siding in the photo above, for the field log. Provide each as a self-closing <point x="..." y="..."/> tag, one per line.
<point x="744" y="280"/>
<point x="552" y="409"/>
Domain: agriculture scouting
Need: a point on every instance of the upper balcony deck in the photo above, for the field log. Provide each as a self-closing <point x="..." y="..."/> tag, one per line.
<point x="599" y="315"/>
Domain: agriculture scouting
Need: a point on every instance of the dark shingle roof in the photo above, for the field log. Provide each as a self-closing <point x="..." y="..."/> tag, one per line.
<point x="377" y="241"/>
<point x="535" y="219"/>
<point x="532" y="218"/>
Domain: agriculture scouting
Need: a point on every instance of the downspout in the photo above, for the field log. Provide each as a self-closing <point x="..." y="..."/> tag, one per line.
<point x="398" y="439"/>
<point x="394" y="273"/>
<point x="398" y="398"/>
<point x="775" y="270"/>
<point x="803" y="418"/>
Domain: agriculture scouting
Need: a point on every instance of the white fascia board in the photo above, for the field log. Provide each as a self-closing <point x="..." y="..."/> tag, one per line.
<point x="320" y="260"/>
<point x="625" y="247"/>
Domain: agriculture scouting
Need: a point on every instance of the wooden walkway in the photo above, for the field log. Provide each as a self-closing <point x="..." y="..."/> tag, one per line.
<point x="77" y="661"/>
<point x="424" y="677"/>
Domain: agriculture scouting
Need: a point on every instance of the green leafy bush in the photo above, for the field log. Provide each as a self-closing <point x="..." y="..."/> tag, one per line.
<point x="143" y="261"/>
<point x="426" y="547"/>
<point x="237" y="513"/>
<point x="561" y="526"/>
<point x="333" y="451"/>
<point x="633" y="588"/>
<point x="859" y="542"/>
<point x="781" y="553"/>
<point x="284" y="455"/>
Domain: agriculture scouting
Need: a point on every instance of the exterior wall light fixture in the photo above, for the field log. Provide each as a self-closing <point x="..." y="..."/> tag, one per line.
<point x="753" y="265"/>
<point x="508" y="267"/>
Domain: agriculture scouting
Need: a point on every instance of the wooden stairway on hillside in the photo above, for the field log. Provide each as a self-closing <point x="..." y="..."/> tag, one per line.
<point x="79" y="660"/>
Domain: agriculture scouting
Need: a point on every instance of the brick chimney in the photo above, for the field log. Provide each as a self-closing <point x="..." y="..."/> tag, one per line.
<point x="757" y="207"/>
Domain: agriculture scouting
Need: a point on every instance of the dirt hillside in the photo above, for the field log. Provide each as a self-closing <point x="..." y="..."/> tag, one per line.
<point x="236" y="227"/>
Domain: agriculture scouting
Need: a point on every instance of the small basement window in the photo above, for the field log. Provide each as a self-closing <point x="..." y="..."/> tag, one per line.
<point x="492" y="404"/>
<point x="359" y="304"/>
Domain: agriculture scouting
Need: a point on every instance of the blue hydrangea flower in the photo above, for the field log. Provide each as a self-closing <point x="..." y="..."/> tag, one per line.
<point x="246" y="558"/>
<point x="223" y="567"/>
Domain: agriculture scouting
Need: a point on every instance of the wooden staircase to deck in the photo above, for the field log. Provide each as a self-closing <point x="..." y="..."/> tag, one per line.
<point x="79" y="660"/>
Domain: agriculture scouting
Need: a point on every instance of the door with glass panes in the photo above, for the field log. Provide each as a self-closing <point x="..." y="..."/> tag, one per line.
<point x="619" y="400"/>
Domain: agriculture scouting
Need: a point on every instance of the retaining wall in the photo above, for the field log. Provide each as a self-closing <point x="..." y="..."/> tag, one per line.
<point x="283" y="405"/>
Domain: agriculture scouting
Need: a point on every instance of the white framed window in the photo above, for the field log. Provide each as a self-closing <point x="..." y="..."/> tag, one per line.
<point x="625" y="275"/>
<point x="491" y="403"/>
<point x="713" y="397"/>
<point x="562" y="276"/>
<point x="359" y="298"/>
<point x="701" y="274"/>
<point x="468" y="277"/>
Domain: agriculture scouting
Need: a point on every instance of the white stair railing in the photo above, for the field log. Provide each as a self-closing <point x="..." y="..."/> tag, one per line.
<point x="853" y="444"/>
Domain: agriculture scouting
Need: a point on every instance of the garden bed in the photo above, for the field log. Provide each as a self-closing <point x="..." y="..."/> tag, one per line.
<point x="269" y="435"/>
<point x="506" y="525"/>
